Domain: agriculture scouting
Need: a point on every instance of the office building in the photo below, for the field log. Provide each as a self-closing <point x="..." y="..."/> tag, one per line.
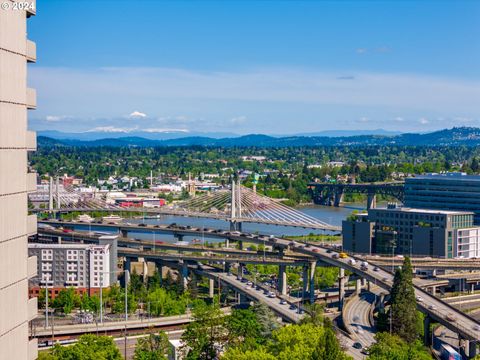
<point x="83" y="267"/>
<point x="407" y="231"/>
<point x="446" y="191"/>
<point x="16" y="309"/>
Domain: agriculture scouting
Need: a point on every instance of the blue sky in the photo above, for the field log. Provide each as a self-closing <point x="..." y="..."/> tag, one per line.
<point x="276" y="67"/>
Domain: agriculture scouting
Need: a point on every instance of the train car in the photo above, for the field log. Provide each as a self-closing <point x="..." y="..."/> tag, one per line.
<point x="449" y="353"/>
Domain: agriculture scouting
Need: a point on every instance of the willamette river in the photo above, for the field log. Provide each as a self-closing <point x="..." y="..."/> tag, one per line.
<point x="329" y="214"/>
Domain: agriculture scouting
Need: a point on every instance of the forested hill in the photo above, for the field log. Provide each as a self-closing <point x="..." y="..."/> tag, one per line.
<point x="466" y="136"/>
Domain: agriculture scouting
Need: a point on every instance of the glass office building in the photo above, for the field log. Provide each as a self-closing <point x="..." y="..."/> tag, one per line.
<point x="448" y="191"/>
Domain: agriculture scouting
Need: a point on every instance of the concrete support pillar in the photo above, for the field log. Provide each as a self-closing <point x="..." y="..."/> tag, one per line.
<point x="472" y="288"/>
<point x="178" y="237"/>
<point x="369" y="286"/>
<point x="338" y="197"/>
<point x="371" y="201"/>
<point x="358" y="286"/>
<point x="227" y="243"/>
<point x="211" y="288"/>
<point x="427" y="335"/>
<point x="311" y="287"/>
<point x="281" y="252"/>
<point x="434" y="272"/>
<point x="184" y="275"/>
<point x="472" y="349"/>
<point x="305" y="281"/>
<point x="282" y="279"/>
<point x="240" y="272"/>
<point x="124" y="233"/>
<point x="227" y="267"/>
<point x="341" y="287"/>
<point x="243" y="298"/>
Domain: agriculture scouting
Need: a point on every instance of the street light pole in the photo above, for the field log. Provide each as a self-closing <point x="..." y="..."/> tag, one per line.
<point x="126" y="309"/>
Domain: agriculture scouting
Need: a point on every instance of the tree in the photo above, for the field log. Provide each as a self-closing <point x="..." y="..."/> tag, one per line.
<point x="243" y="328"/>
<point x="153" y="347"/>
<point x="328" y="347"/>
<point x="66" y="300"/>
<point x="88" y="347"/>
<point x="392" y="347"/>
<point x="403" y="308"/>
<point x="202" y="336"/>
<point x="266" y="319"/>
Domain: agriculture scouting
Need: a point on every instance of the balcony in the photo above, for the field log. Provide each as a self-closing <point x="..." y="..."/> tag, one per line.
<point x="31" y="267"/>
<point x="31" y="182"/>
<point x="31" y="225"/>
<point x="32" y="308"/>
<point x="31" y="51"/>
<point x="31" y="141"/>
<point x="31" y="99"/>
<point x="32" y="349"/>
<point x="32" y="8"/>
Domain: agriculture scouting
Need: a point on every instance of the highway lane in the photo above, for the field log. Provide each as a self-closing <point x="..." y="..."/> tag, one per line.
<point x="356" y="315"/>
<point x="428" y="304"/>
<point x="437" y="309"/>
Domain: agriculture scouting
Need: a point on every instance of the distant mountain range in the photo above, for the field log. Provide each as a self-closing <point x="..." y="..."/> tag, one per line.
<point x="467" y="136"/>
<point x="167" y="135"/>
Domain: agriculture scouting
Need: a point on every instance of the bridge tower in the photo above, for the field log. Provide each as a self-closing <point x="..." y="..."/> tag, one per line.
<point x="50" y="194"/>
<point x="236" y="206"/>
<point x="191" y="186"/>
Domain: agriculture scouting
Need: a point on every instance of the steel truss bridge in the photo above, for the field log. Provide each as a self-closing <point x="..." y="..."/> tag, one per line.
<point x="332" y="193"/>
<point x="237" y="204"/>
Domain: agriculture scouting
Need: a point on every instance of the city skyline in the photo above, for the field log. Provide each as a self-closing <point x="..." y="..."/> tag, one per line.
<point x="275" y="69"/>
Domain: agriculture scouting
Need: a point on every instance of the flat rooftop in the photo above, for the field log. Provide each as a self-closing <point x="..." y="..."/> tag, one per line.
<point x="447" y="176"/>
<point x="426" y="211"/>
<point x="66" y="246"/>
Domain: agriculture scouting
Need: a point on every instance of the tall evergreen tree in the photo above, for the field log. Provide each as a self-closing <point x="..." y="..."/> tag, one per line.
<point x="403" y="309"/>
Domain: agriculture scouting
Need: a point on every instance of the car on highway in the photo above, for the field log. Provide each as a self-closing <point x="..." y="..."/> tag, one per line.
<point x="316" y="250"/>
<point x="142" y="224"/>
<point x="335" y="256"/>
<point x="352" y="262"/>
<point x="249" y="283"/>
<point x="476" y="327"/>
<point x="343" y="255"/>
<point x="357" y="345"/>
<point x="283" y="302"/>
<point x="432" y="307"/>
<point x="329" y="251"/>
<point x="451" y="317"/>
<point x="376" y="268"/>
<point x="419" y="299"/>
<point x="271" y="294"/>
<point x="359" y="329"/>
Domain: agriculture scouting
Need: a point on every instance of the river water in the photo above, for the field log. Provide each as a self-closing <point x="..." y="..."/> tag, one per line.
<point x="328" y="214"/>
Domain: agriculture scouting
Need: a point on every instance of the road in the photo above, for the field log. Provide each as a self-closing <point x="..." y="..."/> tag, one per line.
<point x="356" y="317"/>
<point x="437" y="309"/>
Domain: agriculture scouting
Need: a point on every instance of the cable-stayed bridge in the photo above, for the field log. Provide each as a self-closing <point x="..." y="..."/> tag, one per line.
<point x="237" y="204"/>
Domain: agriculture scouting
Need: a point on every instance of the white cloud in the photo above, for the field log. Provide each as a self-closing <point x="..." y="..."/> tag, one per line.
<point x="137" y="114"/>
<point x="399" y="119"/>
<point x="164" y="130"/>
<point x="238" y="120"/>
<point x="423" y="121"/>
<point x="364" y="119"/>
<point x="361" y="50"/>
<point x="112" y="129"/>
<point x="54" y="118"/>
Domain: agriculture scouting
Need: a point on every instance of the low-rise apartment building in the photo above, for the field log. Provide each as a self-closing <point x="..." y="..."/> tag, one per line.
<point x="83" y="267"/>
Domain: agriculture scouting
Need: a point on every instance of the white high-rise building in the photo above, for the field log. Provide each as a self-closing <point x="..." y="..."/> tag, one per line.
<point x="16" y="310"/>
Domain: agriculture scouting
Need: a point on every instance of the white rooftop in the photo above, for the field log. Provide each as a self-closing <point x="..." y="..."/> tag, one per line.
<point x="426" y="211"/>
